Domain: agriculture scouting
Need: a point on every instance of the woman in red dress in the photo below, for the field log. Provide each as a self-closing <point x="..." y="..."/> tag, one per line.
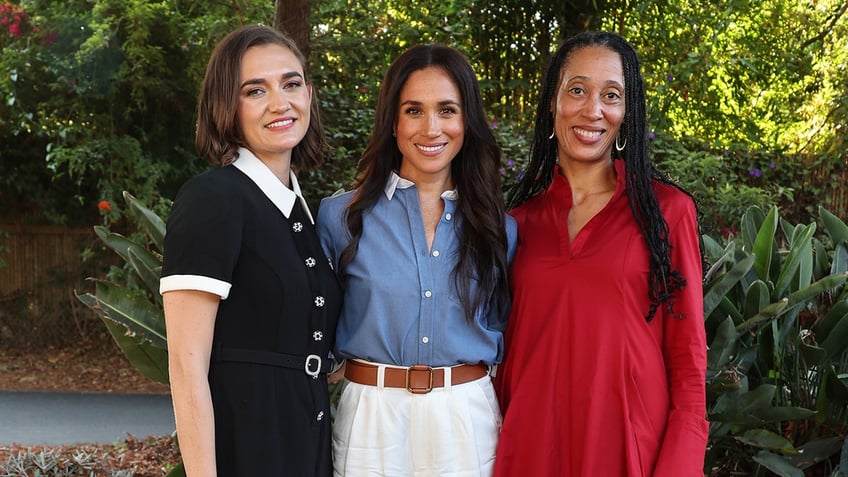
<point x="605" y="345"/>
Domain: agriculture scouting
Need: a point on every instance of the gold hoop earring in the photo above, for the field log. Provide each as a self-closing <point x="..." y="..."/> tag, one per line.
<point x="620" y="147"/>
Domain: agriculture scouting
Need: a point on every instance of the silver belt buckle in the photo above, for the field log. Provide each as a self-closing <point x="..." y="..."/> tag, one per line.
<point x="310" y="359"/>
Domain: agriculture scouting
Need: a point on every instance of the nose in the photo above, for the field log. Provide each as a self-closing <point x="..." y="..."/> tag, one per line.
<point x="434" y="127"/>
<point x="278" y="102"/>
<point x="594" y="107"/>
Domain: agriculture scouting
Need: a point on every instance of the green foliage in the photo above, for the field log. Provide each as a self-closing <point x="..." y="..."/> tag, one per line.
<point x="100" y="94"/>
<point x="719" y="180"/>
<point x="134" y="315"/>
<point x="101" y="99"/>
<point x="776" y="312"/>
<point x="769" y="74"/>
<point x="514" y="141"/>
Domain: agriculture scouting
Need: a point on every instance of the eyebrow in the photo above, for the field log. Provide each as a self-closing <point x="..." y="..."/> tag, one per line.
<point x="290" y="74"/>
<point x="441" y="103"/>
<point x="585" y="78"/>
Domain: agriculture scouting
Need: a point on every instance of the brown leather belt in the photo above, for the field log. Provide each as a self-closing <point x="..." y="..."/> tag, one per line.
<point x="418" y="379"/>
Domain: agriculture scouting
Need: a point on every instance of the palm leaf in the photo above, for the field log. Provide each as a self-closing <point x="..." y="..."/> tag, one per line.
<point x="152" y="225"/>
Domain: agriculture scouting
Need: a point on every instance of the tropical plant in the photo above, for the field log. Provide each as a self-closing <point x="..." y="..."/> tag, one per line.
<point x="776" y="313"/>
<point x="133" y="314"/>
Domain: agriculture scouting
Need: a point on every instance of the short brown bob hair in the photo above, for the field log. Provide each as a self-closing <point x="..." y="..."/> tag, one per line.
<point x="219" y="135"/>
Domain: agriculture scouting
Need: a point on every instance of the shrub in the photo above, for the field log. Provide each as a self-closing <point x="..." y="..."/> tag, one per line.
<point x="776" y="313"/>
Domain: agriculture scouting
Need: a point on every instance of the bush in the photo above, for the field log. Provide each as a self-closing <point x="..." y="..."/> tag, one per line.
<point x="776" y="313"/>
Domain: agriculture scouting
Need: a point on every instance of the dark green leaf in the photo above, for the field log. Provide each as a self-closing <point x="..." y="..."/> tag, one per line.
<point x="721" y="285"/>
<point x="836" y="228"/>
<point x="764" y="244"/>
<point x="800" y="257"/>
<point x="767" y="440"/>
<point x="149" y="221"/>
<point x="757" y="297"/>
<point x="777" y="464"/>
<point x="723" y="346"/>
<point x="149" y="276"/>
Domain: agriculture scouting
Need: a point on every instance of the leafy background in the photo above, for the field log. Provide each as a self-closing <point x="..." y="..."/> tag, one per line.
<point x="748" y="104"/>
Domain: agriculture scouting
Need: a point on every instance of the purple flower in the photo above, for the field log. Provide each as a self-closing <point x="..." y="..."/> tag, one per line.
<point x="651" y="136"/>
<point x="755" y="172"/>
<point x="520" y="175"/>
<point x="772" y="165"/>
<point x="510" y="163"/>
<point x="669" y="78"/>
<point x="726" y="153"/>
<point x="494" y="123"/>
<point x="502" y="171"/>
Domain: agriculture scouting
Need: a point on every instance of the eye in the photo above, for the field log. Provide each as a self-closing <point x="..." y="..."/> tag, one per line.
<point x="448" y="111"/>
<point x="253" y="92"/>
<point x="613" y="96"/>
<point x="293" y="84"/>
<point x="413" y="111"/>
<point x="576" y="90"/>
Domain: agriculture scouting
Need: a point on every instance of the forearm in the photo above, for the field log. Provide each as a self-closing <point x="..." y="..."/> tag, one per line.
<point x="190" y="320"/>
<point x="195" y="422"/>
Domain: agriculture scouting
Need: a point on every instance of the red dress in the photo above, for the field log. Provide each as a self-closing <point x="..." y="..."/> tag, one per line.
<point x="588" y="387"/>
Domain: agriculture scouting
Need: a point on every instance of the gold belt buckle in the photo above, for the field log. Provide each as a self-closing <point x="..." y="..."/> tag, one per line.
<point x="419" y="368"/>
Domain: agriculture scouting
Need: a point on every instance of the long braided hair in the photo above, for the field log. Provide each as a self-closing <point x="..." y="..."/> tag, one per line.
<point x="482" y="253"/>
<point x="663" y="280"/>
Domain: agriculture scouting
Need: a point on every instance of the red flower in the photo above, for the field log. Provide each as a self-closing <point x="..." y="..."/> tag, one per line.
<point x="728" y="232"/>
<point x="104" y="205"/>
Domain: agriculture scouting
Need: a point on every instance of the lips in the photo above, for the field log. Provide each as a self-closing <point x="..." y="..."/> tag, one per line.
<point x="279" y="123"/>
<point x="431" y="149"/>
<point x="587" y="134"/>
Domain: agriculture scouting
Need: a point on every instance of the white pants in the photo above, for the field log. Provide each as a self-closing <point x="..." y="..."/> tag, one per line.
<point x="448" y="432"/>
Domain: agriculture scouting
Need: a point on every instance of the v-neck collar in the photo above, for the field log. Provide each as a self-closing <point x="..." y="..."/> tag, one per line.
<point x="563" y="201"/>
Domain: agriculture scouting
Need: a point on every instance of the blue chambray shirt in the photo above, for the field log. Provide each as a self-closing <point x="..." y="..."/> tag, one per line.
<point x="400" y="304"/>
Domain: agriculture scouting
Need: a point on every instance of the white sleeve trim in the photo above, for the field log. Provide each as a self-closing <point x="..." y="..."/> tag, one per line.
<point x="194" y="282"/>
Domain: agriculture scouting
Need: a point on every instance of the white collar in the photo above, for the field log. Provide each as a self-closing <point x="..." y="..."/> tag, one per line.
<point x="397" y="182"/>
<point x="282" y="197"/>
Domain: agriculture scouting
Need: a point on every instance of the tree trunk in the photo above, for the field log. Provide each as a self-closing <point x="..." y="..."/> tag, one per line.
<point x="293" y="17"/>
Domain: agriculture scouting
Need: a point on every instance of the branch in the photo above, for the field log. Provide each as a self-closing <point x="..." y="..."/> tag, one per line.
<point x="828" y="29"/>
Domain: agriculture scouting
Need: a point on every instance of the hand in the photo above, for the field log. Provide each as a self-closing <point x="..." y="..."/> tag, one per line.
<point x="336" y="375"/>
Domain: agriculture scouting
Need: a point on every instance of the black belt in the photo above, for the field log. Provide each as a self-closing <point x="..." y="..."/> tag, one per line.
<point x="312" y="364"/>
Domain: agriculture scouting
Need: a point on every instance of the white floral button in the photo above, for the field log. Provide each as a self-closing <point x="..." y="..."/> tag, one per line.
<point x="319" y="301"/>
<point x="297" y="226"/>
<point x="310" y="262"/>
<point x="317" y="335"/>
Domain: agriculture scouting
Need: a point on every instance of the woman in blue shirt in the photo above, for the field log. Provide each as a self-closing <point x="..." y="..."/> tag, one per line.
<point x="422" y="245"/>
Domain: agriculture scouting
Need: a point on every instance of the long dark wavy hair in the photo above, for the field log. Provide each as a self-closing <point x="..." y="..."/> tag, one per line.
<point x="219" y="134"/>
<point x="663" y="280"/>
<point x="482" y="237"/>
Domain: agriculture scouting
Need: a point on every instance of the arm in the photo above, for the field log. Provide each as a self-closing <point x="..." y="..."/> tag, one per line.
<point x="685" y="354"/>
<point x="190" y="323"/>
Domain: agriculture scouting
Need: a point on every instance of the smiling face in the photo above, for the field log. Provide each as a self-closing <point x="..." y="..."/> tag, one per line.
<point x="429" y="125"/>
<point x="274" y="99"/>
<point x="589" y="105"/>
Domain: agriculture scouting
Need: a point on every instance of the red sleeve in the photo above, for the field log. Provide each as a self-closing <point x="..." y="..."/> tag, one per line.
<point x="685" y="352"/>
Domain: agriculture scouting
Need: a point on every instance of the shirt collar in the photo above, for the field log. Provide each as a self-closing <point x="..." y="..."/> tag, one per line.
<point x="280" y="195"/>
<point x="396" y="182"/>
